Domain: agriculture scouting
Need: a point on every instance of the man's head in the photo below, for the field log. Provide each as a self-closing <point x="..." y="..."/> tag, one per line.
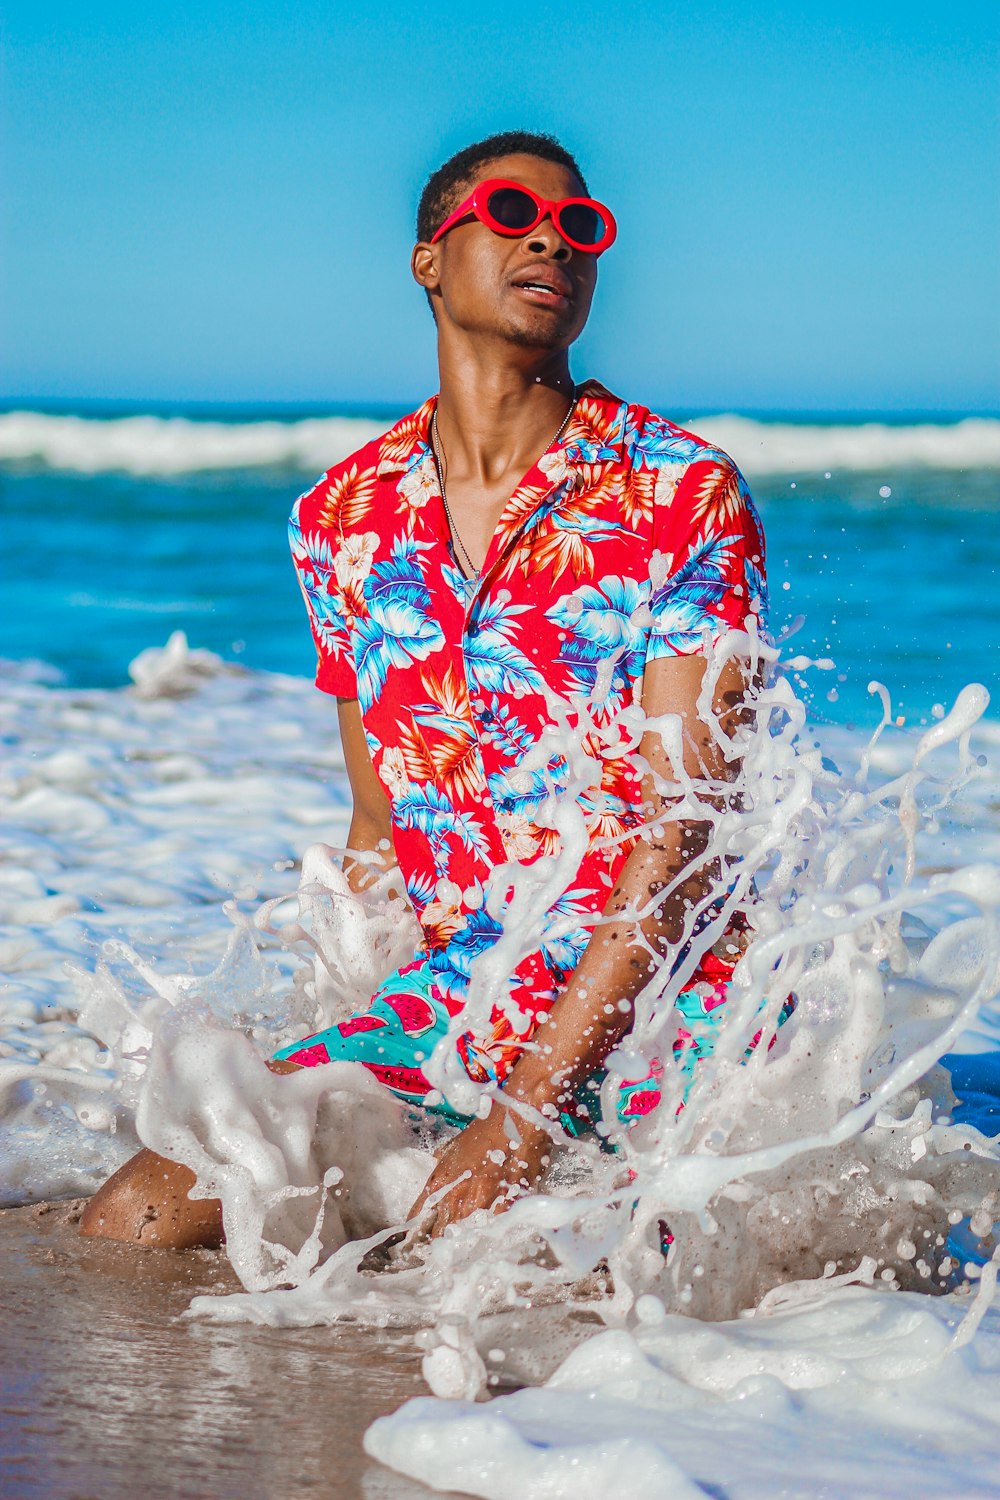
<point x="532" y="290"/>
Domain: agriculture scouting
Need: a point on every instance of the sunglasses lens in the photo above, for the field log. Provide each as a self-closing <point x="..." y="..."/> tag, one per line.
<point x="512" y="208"/>
<point x="582" y="223"/>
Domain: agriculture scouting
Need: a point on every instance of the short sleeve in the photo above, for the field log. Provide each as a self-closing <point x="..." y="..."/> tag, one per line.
<point x="707" y="569"/>
<point x="315" y="566"/>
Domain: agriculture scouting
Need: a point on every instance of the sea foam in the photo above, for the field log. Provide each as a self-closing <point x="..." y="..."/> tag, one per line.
<point x="132" y="814"/>
<point x="156" y="445"/>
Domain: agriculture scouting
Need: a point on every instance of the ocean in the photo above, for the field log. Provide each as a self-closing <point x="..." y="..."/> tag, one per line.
<point x="883" y="538"/>
<point x="166" y="766"/>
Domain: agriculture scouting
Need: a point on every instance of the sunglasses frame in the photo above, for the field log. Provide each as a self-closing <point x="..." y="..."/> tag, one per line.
<point x="477" y="203"/>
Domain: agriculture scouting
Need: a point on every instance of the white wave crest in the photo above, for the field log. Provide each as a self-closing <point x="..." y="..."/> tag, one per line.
<point x="867" y="447"/>
<point x="177" y="445"/>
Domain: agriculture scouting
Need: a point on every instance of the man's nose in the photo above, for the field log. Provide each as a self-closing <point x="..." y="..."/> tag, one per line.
<point x="545" y="239"/>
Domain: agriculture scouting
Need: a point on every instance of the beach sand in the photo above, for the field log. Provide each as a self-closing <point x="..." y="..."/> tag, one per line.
<point x="106" y="1391"/>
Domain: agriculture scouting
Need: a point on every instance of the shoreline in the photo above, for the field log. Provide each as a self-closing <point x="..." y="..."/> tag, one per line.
<point x="107" y="1392"/>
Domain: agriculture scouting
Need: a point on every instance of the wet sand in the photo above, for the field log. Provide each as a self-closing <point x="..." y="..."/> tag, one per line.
<point x="106" y="1392"/>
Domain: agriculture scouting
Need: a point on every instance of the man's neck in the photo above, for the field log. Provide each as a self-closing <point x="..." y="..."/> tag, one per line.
<point x="497" y="414"/>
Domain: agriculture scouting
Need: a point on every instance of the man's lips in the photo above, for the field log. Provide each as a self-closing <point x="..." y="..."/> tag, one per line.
<point x="544" y="285"/>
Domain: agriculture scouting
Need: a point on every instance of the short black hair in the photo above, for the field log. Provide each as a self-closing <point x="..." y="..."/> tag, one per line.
<point x="442" y="191"/>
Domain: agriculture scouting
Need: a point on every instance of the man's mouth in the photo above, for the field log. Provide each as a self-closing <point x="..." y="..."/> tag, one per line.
<point x="548" y="288"/>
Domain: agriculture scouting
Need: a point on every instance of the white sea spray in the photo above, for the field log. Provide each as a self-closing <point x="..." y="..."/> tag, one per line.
<point x="801" y="1188"/>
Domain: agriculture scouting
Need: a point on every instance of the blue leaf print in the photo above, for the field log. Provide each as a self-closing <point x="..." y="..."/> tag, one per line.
<point x="591" y="527"/>
<point x="314" y="552"/>
<point x="591" y="451"/>
<point x="660" y="443"/>
<point x="295" y="519"/>
<point x="525" y="795"/>
<point x="598" y="803"/>
<point x="436" y="716"/>
<point x="399" y="627"/>
<point x="480" y="932"/>
<point x="328" y="620"/>
<point x="496" y="666"/>
<point x="316" y="575"/>
<point x="602" y="622"/>
<point x="398" y="579"/>
<point x="420" y="888"/>
<point x="680" y="606"/>
<point x="509" y="735"/>
<point x="456" y="581"/>
<point x="431" y="813"/>
<point x="493" y="662"/>
<point x="496" y="613"/>
<point x="564" y="950"/>
<point x="295" y="529"/>
<point x="709" y="560"/>
<point x="756" y="587"/>
<point x="406" y="637"/>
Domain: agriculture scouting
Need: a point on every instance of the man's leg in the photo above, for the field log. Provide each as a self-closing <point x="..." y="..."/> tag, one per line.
<point x="393" y="1038"/>
<point x="146" y="1203"/>
<point x="703" y="1015"/>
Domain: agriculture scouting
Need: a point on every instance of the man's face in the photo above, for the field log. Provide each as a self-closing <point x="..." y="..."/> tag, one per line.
<point x="533" y="290"/>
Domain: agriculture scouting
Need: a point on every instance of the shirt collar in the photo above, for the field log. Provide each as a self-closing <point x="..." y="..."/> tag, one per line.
<point x="595" y="433"/>
<point x="407" y="443"/>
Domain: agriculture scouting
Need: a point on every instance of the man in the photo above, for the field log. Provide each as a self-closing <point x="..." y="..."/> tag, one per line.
<point x="518" y="551"/>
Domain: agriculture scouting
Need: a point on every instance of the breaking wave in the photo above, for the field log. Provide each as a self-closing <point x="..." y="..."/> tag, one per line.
<point x="158" y="445"/>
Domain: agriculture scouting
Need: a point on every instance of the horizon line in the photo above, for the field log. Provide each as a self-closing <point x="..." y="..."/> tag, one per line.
<point x="379" y="409"/>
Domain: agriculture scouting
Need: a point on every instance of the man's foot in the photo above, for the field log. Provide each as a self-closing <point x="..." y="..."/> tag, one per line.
<point x="146" y="1203"/>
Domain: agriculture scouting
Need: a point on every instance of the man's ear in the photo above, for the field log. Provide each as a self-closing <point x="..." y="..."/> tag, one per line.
<point x="423" y="264"/>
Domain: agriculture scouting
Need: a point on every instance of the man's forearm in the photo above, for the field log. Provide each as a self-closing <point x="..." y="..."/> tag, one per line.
<point x="369" y="856"/>
<point x="595" y="1009"/>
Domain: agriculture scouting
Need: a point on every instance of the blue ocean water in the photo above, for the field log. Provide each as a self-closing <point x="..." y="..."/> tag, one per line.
<point x="894" y="571"/>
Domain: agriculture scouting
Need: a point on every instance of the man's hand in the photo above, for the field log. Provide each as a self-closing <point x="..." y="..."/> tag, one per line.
<point x="488" y="1168"/>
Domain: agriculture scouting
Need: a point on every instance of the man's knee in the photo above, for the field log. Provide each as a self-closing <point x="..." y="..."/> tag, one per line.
<point x="146" y="1203"/>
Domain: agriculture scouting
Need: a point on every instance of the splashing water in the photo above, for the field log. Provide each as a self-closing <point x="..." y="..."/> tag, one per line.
<point x="794" y="1184"/>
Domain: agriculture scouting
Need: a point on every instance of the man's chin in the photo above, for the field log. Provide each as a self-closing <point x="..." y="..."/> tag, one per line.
<point x="542" y="333"/>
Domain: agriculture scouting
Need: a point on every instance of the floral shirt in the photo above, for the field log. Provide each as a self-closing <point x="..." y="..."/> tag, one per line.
<point x="628" y="540"/>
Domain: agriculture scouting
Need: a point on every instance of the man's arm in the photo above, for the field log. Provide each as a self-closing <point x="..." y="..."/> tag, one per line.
<point x="371" y="827"/>
<point x="595" y="1009"/>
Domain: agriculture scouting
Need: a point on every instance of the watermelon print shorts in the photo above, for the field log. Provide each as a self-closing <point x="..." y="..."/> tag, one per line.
<point x="407" y="1017"/>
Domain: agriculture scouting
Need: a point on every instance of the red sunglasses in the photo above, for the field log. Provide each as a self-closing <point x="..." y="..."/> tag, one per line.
<point x="512" y="209"/>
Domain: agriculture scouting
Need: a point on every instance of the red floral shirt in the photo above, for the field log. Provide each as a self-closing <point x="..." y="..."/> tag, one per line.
<point x="628" y="540"/>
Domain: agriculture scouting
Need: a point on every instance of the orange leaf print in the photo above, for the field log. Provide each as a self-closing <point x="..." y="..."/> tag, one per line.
<point x="349" y="499"/>
<point x="440" y="923"/>
<point x="449" y="691"/>
<point x="416" y="757"/>
<point x="600" y="416"/>
<point x="637" y="497"/>
<point x="565" y="551"/>
<point x="605" y="825"/>
<point x="397" y="445"/>
<point x="718" y="495"/>
<point x="454" y="752"/>
<point x="457" y="768"/>
<point x="517" y="510"/>
<point x="564" y="540"/>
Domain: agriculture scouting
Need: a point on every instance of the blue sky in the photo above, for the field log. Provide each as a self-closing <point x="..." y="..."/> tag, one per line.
<point x="215" y="201"/>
